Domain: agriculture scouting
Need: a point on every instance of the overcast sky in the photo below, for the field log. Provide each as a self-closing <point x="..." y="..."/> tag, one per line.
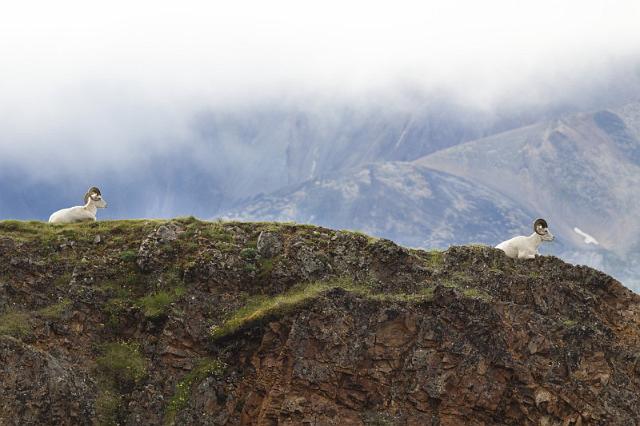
<point x="190" y="48"/>
<point x="135" y="70"/>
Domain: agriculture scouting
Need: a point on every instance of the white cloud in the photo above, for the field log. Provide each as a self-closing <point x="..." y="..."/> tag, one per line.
<point x="102" y="77"/>
<point x="189" y="48"/>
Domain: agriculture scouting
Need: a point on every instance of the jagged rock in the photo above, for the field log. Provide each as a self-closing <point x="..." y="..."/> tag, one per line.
<point x="166" y="234"/>
<point x="38" y="389"/>
<point x="150" y="251"/>
<point x="312" y="266"/>
<point x="269" y="245"/>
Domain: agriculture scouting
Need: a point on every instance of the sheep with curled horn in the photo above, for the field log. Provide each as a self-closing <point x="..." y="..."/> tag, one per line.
<point x="527" y="247"/>
<point x="92" y="202"/>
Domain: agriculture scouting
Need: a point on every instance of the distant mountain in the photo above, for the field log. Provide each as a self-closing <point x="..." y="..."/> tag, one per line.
<point x="579" y="171"/>
<point x="582" y="171"/>
<point x="407" y="202"/>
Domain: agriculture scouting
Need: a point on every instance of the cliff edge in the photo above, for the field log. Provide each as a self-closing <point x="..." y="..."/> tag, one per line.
<point x="190" y="322"/>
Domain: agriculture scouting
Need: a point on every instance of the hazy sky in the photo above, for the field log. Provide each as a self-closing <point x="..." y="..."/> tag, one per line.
<point x="169" y="50"/>
<point x="132" y="72"/>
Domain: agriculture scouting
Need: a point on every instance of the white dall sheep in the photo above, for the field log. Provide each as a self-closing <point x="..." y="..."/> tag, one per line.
<point x="527" y="247"/>
<point x="92" y="202"/>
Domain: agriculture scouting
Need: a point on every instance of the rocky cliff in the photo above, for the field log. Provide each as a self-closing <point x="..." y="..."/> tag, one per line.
<point x="189" y="322"/>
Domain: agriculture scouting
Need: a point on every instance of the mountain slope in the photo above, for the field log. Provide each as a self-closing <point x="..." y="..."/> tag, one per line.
<point x="419" y="206"/>
<point x="581" y="170"/>
<point x="188" y="322"/>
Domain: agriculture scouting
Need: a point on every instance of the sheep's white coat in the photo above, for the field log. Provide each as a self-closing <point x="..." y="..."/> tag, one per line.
<point x="79" y="213"/>
<point x="524" y="247"/>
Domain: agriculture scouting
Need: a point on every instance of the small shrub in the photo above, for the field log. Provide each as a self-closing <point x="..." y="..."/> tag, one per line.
<point x="249" y="267"/>
<point x="156" y="305"/>
<point x="249" y="253"/>
<point x="122" y="364"/>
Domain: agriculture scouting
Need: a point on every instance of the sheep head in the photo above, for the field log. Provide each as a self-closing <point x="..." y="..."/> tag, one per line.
<point x="541" y="228"/>
<point x="94" y="195"/>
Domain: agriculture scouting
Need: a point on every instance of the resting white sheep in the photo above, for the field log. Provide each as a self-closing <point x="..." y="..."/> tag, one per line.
<point x="527" y="247"/>
<point x="92" y="202"/>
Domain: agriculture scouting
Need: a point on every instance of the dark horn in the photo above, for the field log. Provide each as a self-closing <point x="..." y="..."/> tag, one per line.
<point x="90" y="191"/>
<point x="539" y="223"/>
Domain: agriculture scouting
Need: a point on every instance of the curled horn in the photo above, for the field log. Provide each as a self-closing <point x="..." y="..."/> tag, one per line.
<point x="539" y="224"/>
<point x="91" y="191"/>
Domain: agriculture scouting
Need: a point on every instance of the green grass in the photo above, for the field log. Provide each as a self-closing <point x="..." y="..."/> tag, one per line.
<point x="257" y="309"/>
<point x="265" y="268"/>
<point x="55" y="311"/>
<point x="205" y="368"/>
<point x="16" y="324"/>
<point x="217" y="232"/>
<point x="128" y="255"/>
<point x="435" y="259"/>
<point x="475" y="293"/>
<point x="261" y="307"/>
<point x="21" y="227"/>
<point x="157" y="305"/>
<point x="450" y="283"/>
<point x="122" y="364"/>
<point x="62" y="280"/>
<point x="48" y="235"/>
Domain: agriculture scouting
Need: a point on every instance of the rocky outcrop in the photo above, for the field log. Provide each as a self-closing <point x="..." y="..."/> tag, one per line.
<point x="39" y="389"/>
<point x="234" y="323"/>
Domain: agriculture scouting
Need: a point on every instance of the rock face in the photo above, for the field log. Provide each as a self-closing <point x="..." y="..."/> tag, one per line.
<point x="268" y="245"/>
<point x="37" y="388"/>
<point x="237" y="323"/>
